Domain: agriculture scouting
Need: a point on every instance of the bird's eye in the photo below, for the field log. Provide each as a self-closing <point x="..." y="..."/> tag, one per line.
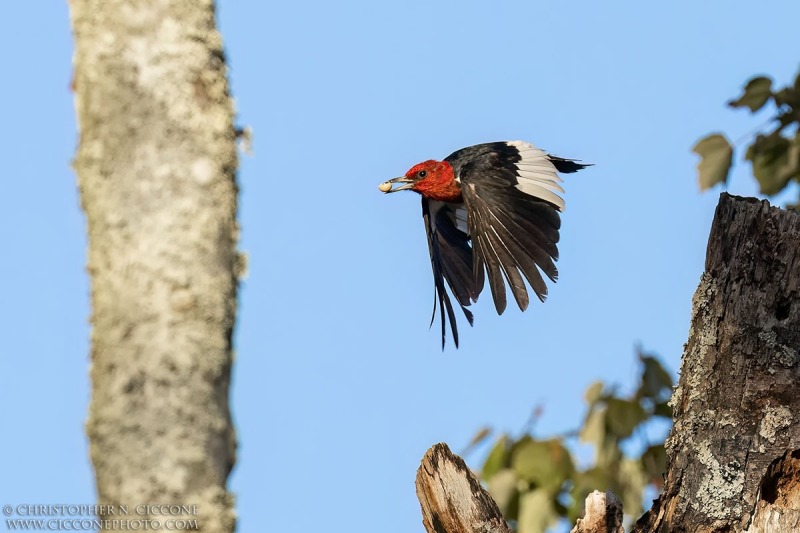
<point x="422" y="173"/>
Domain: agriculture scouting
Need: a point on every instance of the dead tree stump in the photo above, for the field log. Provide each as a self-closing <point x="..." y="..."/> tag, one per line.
<point x="733" y="455"/>
<point x="452" y="498"/>
<point x="737" y="404"/>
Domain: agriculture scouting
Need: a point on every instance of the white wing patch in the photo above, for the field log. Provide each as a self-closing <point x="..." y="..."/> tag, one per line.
<point x="536" y="175"/>
<point x="456" y="212"/>
<point x="461" y="218"/>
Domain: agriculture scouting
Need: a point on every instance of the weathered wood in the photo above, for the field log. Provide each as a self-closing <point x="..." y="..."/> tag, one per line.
<point x="737" y="404"/>
<point x="778" y="507"/>
<point x="156" y="166"/>
<point x="603" y="514"/>
<point x="452" y="498"/>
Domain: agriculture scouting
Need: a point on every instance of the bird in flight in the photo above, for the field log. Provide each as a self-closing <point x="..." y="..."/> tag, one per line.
<point x="490" y="211"/>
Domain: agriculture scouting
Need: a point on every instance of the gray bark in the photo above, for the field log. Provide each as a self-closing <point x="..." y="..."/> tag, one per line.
<point x="737" y="404"/>
<point x="156" y="165"/>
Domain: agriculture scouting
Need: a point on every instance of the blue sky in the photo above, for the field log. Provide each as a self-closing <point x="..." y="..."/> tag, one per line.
<point x="339" y="386"/>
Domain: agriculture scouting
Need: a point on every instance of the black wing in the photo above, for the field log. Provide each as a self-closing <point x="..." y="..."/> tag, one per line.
<point x="510" y="191"/>
<point x="451" y="260"/>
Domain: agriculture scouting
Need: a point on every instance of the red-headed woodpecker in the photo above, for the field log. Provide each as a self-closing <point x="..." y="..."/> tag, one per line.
<point x="490" y="210"/>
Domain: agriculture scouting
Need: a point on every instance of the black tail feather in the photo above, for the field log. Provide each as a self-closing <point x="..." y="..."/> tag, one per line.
<point x="567" y="166"/>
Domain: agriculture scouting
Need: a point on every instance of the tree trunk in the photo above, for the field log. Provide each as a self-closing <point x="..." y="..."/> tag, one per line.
<point x="737" y="404"/>
<point x="734" y="450"/>
<point x="156" y="165"/>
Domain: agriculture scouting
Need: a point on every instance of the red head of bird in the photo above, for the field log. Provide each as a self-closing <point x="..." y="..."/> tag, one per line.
<point x="432" y="179"/>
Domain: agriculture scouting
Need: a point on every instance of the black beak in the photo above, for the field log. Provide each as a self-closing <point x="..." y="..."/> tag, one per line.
<point x="388" y="186"/>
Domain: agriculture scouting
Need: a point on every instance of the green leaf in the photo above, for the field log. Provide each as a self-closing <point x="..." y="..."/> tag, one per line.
<point x="594" y="429"/>
<point x="497" y="458"/>
<point x="584" y="483"/>
<point x="623" y="416"/>
<point x="544" y="463"/>
<point x="654" y="463"/>
<point x="775" y="161"/>
<point x="503" y="488"/>
<point x="788" y="96"/>
<point x="608" y="453"/>
<point x="633" y="479"/>
<point x="756" y="94"/>
<point x="593" y="392"/>
<point x="663" y="409"/>
<point x="536" y="512"/>
<point x="716" y="157"/>
<point x="656" y="382"/>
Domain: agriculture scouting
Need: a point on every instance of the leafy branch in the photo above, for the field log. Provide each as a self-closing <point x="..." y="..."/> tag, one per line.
<point x="774" y="153"/>
<point x="537" y="481"/>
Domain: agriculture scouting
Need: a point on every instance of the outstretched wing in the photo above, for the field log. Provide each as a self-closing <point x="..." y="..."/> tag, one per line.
<point x="451" y="260"/>
<point x="510" y="191"/>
